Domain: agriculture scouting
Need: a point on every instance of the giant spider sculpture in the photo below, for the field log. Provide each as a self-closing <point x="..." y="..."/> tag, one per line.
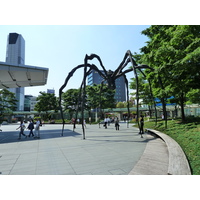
<point x="108" y="76"/>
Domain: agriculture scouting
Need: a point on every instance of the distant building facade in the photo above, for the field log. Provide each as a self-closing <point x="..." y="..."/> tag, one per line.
<point x="51" y="91"/>
<point x="120" y="92"/>
<point x="15" y="54"/>
<point x="29" y="102"/>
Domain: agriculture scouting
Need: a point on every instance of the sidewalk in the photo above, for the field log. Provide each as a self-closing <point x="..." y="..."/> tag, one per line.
<point x="154" y="160"/>
<point x="103" y="152"/>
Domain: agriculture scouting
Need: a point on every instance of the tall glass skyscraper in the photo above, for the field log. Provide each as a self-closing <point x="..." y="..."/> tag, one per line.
<point x="15" y="54"/>
<point x="120" y="92"/>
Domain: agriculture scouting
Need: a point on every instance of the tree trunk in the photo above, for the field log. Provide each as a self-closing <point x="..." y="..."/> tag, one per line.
<point x="182" y="107"/>
<point x="153" y="102"/>
<point x="164" y="111"/>
<point x="163" y="102"/>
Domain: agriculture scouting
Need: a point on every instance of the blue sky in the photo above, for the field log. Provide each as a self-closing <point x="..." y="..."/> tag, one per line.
<point x="62" y="47"/>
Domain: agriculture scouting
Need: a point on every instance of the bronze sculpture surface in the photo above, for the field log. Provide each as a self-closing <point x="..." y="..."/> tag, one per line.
<point x="108" y="76"/>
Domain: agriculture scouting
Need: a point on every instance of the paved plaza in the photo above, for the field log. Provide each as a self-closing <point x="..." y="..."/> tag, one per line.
<point x="103" y="152"/>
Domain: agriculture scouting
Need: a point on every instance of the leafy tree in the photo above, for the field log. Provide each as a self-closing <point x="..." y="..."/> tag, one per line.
<point x="93" y="97"/>
<point x="46" y="102"/>
<point x="193" y="96"/>
<point x="145" y="92"/>
<point x="71" y="101"/>
<point x="7" y="101"/>
<point x="100" y="96"/>
<point x="120" y="105"/>
<point x="174" y="53"/>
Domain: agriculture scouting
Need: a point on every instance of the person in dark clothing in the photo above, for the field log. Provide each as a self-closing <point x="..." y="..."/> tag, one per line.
<point x="141" y="126"/>
<point x="117" y="123"/>
<point x="31" y="127"/>
<point x="105" y="122"/>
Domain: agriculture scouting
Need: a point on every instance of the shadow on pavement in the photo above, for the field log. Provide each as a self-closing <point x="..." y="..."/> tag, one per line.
<point x="12" y="136"/>
<point x="92" y="138"/>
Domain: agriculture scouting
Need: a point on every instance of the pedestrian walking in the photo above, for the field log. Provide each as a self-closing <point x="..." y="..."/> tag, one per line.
<point x="141" y="126"/>
<point x="31" y="127"/>
<point x="84" y="123"/>
<point x="21" y="127"/>
<point x="108" y="121"/>
<point x="73" y="120"/>
<point x="90" y="120"/>
<point x="105" y="122"/>
<point x="37" y="129"/>
<point x="116" y="124"/>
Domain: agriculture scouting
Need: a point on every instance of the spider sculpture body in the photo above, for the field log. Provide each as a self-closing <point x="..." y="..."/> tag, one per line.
<point x="108" y="76"/>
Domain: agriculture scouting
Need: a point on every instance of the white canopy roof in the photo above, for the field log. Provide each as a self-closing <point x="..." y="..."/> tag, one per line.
<point x="12" y="76"/>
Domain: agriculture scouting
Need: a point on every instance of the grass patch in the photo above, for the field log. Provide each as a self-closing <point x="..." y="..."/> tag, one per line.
<point x="187" y="135"/>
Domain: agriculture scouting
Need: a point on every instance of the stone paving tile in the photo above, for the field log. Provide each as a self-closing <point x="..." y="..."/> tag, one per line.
<point x="6" y="167"/>
<point x="7" y="162"/>
<point x="22" y="172"/>
<point x="152" y="162"/>
<point x="104" y="152"/>
<point x="5" y="172"/>
<point x="117" y="172"/>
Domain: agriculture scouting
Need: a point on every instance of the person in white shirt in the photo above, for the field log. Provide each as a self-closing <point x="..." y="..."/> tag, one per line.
<point x="37" y="129"/>
<point x="21" y="127"/>
<point x="105" y="122"/>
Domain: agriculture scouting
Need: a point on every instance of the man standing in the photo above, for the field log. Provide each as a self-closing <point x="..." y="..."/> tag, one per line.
<point x="142" y="126"/>
<point x="117" y="123"/>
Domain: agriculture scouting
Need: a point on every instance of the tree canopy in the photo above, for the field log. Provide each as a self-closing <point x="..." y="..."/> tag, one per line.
<point x="46" y="102"/>
<point x="100" y="96"/>
<point x="96" y="97"/>
<point x="7" y="101"/>
<point x="174" y="54"/>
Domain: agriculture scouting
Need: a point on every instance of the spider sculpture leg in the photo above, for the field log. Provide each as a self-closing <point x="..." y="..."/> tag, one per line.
<point x="127" y="59"/>
<point x="127" y="96"/>
<point x="83" y="96"/>
<point x="61" y="91"/>
<point x="92" y="56"/>
<point x="85" y="65"/>
<point x="103" y="75"/>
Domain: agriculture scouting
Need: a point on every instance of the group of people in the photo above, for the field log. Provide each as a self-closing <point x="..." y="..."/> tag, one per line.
<point x="36" y="133"/>
<point x="116" y="121"/>
<point x="107" y="122"/>
<point x="30" y="127"/>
